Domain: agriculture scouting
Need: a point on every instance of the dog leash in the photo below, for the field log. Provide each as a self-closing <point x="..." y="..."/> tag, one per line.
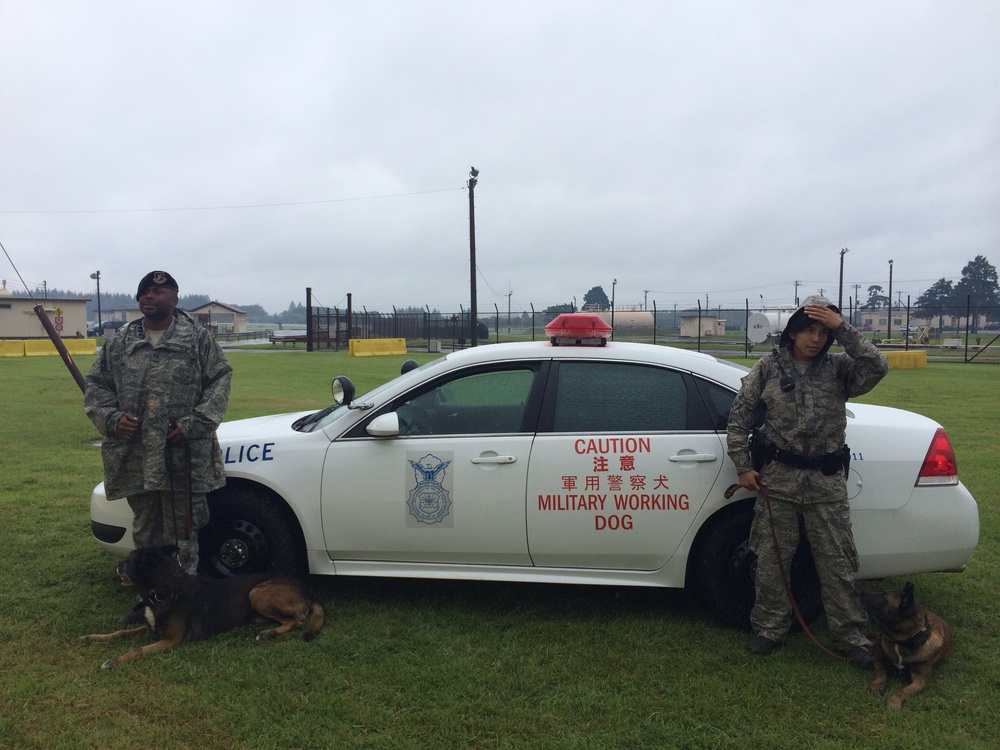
<point x="730" y="491"/>
<point x="188" y="510"/>
<point x="188" y="503"/>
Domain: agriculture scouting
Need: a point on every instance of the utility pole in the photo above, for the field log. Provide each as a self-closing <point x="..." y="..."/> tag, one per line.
<point x="473" y="313"/>
<point x="614" y="283"/>
<point x="840" y="295"/>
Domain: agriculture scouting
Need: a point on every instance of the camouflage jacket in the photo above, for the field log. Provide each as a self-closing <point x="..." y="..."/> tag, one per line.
<point x="810" y="418"/>
<point x="185" y="379"/>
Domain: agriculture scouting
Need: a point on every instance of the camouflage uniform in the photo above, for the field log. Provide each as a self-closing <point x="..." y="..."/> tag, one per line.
<point x="808" y="419"/>
<point x="184" y="379"/>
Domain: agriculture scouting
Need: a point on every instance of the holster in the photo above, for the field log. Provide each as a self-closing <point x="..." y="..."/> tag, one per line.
<point x="762" y="450"/>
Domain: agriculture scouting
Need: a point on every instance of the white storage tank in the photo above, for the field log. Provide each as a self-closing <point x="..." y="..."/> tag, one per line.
<point x="767" y="323"/>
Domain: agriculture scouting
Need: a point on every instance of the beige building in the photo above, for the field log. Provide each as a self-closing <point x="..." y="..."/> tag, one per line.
<point x="19" y="321"/>
<point x="220" y="318"/>
<point x="707" y="326"/>
<point x="123" y="314"/>
<point x="878" y="320"/>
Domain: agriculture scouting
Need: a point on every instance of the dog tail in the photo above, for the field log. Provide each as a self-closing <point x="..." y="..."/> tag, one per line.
<point x="314" y="623"/>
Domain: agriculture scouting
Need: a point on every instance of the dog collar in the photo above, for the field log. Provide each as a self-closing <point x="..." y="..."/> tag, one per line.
<point x="916" y="639"/>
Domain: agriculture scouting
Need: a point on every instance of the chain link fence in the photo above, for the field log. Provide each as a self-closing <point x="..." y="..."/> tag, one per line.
<point x="972" y="335"/>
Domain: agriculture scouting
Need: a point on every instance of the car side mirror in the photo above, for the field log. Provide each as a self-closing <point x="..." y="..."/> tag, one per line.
<point x="384" y="425"/>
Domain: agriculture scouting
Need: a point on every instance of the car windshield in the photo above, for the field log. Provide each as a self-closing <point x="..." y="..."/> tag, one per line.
<point x="320" y="419"/>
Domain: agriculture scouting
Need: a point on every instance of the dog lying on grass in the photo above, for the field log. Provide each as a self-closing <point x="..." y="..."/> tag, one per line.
<point x="179" y="607"/>
<point x="913" y="640"/>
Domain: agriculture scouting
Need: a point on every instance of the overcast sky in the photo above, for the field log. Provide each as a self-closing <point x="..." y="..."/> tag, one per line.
<point x="690" y="150"/>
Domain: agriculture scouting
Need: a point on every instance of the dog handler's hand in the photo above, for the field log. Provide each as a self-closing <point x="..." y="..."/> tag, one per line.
<point x="825" y="315"/>
<point x="751" y="480"/>
<point x="127" y="425"/>
<point x="176" y="436"/>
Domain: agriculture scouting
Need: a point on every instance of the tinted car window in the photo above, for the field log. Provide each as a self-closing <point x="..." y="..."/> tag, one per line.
<point x="719" y="401"/>
<point x="618" y="397"/>
<point x="478" y="403"/>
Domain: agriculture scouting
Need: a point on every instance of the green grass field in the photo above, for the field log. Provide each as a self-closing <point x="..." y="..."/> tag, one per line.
<point x="417" y="664"/>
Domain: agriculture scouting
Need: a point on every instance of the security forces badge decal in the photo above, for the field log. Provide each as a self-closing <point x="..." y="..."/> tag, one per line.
<point x="429" y="501"/>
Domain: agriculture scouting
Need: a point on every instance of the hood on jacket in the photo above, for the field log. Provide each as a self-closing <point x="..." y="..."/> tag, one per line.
<point x="800" y="321"/>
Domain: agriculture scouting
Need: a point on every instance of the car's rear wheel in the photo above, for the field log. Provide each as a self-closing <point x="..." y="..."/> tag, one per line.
<point x="248" y="532"/>
<point x="724" y="569"/>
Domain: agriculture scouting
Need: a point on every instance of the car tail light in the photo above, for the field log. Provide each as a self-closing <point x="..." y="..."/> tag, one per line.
<point x="939" y="467"/>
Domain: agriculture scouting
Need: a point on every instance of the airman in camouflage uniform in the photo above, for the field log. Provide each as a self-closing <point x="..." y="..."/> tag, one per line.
<point x="158" y="389"/>
<point x="801" y="389"/>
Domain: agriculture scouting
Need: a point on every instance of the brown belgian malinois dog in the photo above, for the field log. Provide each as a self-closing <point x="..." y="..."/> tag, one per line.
<point x="913" y="640"/>
<point x="179" y="607"/>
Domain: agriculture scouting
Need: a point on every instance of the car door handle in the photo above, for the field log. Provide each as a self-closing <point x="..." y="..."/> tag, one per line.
<point x="700" y="458"/>
<point x="494" y="459"/>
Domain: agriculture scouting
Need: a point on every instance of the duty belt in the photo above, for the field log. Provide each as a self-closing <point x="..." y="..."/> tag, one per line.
<point x="828" y="463"/>
<point x="763" y="451"/>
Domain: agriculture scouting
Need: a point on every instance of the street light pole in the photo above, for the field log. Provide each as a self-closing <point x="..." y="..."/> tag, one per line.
<point x="473" y="174"/>
<point x="888" y="328"/>
<point x="97" y="277"/>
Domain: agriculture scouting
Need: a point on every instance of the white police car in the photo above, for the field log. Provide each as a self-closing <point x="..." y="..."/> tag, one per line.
<point x="553" y="462"/>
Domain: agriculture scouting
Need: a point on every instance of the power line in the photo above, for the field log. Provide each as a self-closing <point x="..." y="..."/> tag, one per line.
<point x="232" y="207"/>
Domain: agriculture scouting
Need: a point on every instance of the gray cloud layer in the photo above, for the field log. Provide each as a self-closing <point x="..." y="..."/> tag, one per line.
<point x="687" y="149"/>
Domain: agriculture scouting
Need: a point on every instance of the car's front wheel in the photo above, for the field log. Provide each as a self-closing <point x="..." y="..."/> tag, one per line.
<point x="724" y="569"/>
<point x="248" y="532"/>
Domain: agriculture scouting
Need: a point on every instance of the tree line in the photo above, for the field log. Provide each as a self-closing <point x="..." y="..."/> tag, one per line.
<point x="978" y="288"/>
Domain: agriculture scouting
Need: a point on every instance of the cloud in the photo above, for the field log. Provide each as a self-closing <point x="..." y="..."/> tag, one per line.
<point x="685" y="149"/>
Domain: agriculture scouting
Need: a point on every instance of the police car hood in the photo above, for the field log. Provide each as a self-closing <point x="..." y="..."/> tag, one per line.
<point x="256" y="428"/>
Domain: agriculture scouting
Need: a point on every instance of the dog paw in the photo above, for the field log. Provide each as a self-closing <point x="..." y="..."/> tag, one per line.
<point x="266" y="635"/>
<point x="110" y="664"/>
<point x="894" y="701"/>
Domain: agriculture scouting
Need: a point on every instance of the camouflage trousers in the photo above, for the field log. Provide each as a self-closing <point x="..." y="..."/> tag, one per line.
<point x="821" y="502"/>
<point x="159" y="520"/>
